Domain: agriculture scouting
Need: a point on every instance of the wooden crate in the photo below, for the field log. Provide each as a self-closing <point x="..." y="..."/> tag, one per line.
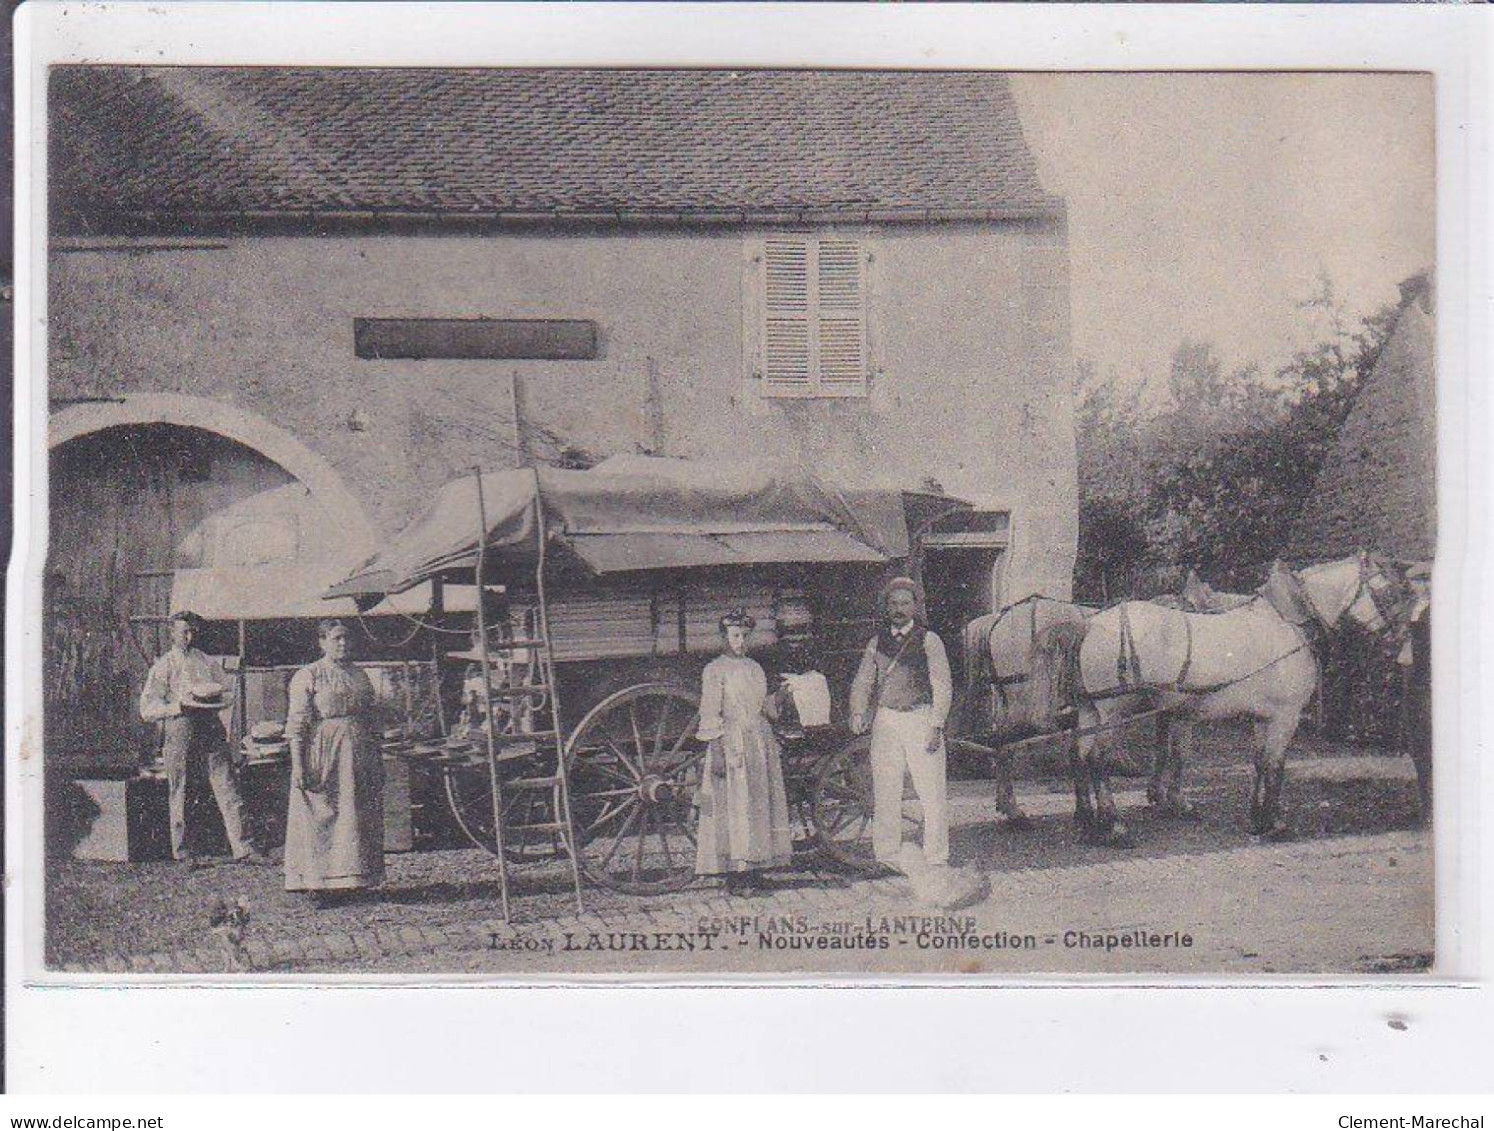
<point x="133" y="822"/>
<point x="266" y="789"/>
<point x="399" y="816"/>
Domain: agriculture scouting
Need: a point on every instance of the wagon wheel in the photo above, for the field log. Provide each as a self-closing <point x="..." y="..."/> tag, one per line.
<point x="843" y="807"/>
<point x="634" y="765"/>
<point x="469" y="795"/>
<point x="801" y="763"/>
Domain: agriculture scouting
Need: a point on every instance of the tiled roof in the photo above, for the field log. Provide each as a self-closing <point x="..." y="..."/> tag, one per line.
<point x="187" y="142"/>
<point x="1378" y="489"/>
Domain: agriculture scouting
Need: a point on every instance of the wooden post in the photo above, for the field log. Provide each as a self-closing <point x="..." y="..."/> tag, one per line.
<point x="409" y="675"/>
<point x="548" y="667"/>
<point x="437" y="616"/>
<point x="241" y="686"/>
<point x="653" y="409"/>
<point x="489" y="726"/>
<point x="436" y="683"/>
<point x="521" y="444"/>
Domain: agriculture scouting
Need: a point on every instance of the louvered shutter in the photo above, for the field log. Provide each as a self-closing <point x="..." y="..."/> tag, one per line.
<point x="840" y="318"/>
<point x="814" y="328"/>
<point x="786" y="341"/>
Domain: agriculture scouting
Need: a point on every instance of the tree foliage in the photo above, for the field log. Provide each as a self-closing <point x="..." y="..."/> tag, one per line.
<point x="1213" y="478"/>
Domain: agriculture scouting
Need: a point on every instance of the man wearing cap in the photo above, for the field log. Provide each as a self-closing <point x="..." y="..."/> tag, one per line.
<point x="903" y="690"/>
<point x="184" y="693"/>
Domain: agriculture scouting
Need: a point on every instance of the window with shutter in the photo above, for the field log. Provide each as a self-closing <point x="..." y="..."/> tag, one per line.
<point x="814" y="308"/>
<point x="787" y="366"/>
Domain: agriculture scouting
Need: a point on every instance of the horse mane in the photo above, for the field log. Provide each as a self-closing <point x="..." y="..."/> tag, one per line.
<point x="1055" y="683"/>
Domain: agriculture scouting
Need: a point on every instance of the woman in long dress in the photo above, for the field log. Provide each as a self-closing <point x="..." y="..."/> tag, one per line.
<point x="744" y="820"/>
<point x="334" y="836"/>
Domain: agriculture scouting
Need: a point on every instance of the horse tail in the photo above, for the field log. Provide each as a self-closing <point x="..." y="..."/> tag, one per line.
<point x="1055" y="683"/>
<point x="972" y="709"/>
<point x="976" y="641"/>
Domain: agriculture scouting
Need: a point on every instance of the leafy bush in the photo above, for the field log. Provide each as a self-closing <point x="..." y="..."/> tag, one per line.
<point x="1213" y="478"/>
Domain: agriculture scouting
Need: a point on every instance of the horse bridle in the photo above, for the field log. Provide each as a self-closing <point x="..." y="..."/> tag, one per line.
<point x="1371" y="571"/>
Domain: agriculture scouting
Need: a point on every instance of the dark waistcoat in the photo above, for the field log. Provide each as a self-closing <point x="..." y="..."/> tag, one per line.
<point x="906" y="686"/>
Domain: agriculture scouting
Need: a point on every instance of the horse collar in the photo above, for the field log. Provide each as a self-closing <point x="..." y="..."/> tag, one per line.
<point x="1391" y="615"/>
<point x="1285" y="593"/>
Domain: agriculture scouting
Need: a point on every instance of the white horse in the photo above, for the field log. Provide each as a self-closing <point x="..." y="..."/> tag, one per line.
<point x="998" y="703"/>
<point x="1255" y="661"/>
<point x="998" y="660"/>
<point x="1007" y="697"/>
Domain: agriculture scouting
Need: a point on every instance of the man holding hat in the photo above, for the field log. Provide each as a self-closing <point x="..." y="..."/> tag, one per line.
<point x="903" y="690"/>
<point x="184" y="693"/>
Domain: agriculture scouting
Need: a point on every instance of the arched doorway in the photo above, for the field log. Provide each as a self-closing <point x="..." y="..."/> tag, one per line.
<point x="132" y="504"/>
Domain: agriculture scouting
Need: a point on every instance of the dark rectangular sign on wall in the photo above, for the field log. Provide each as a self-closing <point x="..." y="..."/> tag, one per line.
<point x="544" y="339"/>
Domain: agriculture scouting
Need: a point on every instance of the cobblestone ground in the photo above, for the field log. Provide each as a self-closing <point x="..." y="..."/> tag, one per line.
<point x="1353" y="894"/>
<point x="1229" y="913"/>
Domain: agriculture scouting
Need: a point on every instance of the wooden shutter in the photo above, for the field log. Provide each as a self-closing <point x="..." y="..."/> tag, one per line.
<point x="814" y="329"/>
<point x="787" y="371"/>
<point x="841" y="317"/>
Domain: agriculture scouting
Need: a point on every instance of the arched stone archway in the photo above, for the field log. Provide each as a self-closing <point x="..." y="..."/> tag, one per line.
<point x="147" y="495"/>
<point x="231" y="422"/>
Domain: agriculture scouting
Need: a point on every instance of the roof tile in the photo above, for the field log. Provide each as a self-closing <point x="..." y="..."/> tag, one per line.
<point x="189" y="141"/>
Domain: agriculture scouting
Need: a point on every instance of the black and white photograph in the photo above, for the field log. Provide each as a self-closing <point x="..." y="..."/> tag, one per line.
<point x="706" y="522"/>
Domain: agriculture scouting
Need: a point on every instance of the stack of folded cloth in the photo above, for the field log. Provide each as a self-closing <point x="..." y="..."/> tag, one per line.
<point x="811" y="694"/>
<point x="265" y="742"/>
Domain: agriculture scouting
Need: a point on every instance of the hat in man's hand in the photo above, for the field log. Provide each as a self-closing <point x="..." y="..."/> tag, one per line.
<point x="204" y="694"/>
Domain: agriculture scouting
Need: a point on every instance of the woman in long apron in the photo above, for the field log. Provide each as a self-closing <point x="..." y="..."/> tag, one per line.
<point x="334" y="836"/>
<point x="744" y="819"/>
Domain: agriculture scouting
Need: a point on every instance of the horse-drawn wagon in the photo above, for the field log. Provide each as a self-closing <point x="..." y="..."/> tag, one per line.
<point x="566" y="728"/>
<point x="594" y="600"/>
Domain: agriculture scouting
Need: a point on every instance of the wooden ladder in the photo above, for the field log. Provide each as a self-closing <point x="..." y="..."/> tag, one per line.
<point x="546" y="746"/>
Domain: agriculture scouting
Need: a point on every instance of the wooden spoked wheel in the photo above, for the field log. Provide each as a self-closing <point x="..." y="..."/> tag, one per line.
<point x="801" y="760"/>
<point x="843" y="807"/>
<point x="469" y="794"/>
<point x="634" y="766"/>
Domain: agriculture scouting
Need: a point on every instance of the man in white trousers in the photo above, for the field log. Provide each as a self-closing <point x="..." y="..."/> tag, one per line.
<point x="903" y="689"/>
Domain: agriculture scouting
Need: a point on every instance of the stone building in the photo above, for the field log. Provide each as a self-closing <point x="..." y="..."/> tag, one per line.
<point x="285" y="305"/>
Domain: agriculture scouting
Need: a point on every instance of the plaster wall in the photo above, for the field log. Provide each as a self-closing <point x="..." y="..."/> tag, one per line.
<point x="969" y="346"/>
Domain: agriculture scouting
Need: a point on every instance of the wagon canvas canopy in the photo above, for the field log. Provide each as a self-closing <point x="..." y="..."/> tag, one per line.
<point x="641" y="513"/>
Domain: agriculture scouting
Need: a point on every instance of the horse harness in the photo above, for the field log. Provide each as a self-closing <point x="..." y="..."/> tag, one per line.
<point x="1283" y="591"/>
<point x="1128" y="662"/>
<point x="1397" y="611"/>
<point x="1312" y="627"/>
<point x="1285" y="594"/>
<point x="1002" y="682"/>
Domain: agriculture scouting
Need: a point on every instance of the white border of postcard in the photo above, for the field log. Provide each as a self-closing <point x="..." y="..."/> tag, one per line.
<point x="1117" y="1035"/>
